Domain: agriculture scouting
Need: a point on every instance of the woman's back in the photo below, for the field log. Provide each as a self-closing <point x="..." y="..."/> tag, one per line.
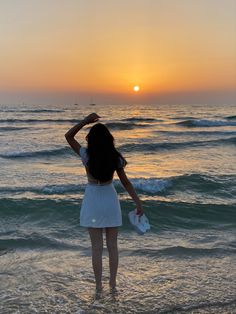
<point x="91" y="179"/>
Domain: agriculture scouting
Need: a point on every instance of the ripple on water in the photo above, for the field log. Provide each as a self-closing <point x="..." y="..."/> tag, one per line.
<point x="62" y="281"/>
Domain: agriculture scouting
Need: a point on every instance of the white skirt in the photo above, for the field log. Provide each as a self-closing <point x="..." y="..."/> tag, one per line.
<point x="100" y="207"/>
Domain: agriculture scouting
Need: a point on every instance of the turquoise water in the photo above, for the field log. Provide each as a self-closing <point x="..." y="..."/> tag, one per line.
<point x="182" y="162"/>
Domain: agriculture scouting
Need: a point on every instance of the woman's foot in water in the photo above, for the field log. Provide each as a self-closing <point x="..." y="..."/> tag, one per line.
<point x="113" y="289"/>
<point x="98" y="292"/>
<point x="99" y="288"/>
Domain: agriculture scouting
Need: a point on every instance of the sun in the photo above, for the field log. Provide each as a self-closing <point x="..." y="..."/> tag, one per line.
<point x="136" y="88"/>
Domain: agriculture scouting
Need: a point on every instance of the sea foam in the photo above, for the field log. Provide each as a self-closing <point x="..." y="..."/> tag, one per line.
<point x="205" y="123"/>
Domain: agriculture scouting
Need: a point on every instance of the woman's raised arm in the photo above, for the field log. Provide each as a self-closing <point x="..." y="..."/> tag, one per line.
<point x="91" y="118"/>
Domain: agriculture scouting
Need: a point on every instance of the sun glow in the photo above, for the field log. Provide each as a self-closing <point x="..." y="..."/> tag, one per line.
<point x="136" y="88"/>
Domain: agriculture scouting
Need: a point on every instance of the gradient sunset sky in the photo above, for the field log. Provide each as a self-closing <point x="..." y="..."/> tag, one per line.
<point x="63" y="51"/>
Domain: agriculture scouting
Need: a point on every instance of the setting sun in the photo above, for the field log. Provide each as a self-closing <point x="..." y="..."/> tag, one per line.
<point x="136" y="88"/>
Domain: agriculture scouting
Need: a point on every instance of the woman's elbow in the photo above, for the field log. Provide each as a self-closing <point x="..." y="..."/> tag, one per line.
<point x="67" y="137"/>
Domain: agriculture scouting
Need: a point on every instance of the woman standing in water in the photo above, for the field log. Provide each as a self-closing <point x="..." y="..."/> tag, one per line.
<point x="100" y="207"/>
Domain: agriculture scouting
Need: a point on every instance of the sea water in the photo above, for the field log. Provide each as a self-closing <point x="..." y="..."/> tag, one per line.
<point x="182" y="163"/>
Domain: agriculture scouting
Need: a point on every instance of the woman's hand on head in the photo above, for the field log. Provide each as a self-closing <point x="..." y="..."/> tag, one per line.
<point x="91" y="118"/>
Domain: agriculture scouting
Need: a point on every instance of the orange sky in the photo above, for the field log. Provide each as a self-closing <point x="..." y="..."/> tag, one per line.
<point x="108" y="46"/>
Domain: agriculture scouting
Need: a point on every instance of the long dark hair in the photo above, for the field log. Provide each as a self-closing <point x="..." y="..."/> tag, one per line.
<point x="104" y="159"/>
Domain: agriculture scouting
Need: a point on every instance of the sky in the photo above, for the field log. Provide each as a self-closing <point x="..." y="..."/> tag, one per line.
<point x="63" y="51"/>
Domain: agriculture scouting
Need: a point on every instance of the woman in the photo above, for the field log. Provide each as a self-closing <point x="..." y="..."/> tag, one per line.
<point x="100" y="207"/>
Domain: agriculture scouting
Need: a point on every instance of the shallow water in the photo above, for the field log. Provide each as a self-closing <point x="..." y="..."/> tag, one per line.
<point x="171" y="280"/>
<point x="181" y="160"/>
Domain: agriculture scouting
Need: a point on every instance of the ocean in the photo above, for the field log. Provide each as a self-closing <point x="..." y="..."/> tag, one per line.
<point x="182" y="163"/>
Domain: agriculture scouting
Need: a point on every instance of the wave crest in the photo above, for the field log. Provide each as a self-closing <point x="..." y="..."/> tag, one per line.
<point x="205" y="123"/>
<point x="150" y="147"/>
<point x="41" y="153"/>
<point x="231" y="117"/>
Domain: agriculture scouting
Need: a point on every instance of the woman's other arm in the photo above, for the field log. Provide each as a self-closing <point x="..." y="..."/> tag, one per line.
<point x="130" y="189"/>
<point x="93" y="117"/>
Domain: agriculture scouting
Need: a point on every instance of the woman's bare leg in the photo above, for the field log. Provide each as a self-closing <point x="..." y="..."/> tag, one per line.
<point x="97" y="247"/>
<point x="111" y="240"/>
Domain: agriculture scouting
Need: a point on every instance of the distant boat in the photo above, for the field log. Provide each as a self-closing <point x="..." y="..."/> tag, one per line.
<point x="91" y="102"/>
